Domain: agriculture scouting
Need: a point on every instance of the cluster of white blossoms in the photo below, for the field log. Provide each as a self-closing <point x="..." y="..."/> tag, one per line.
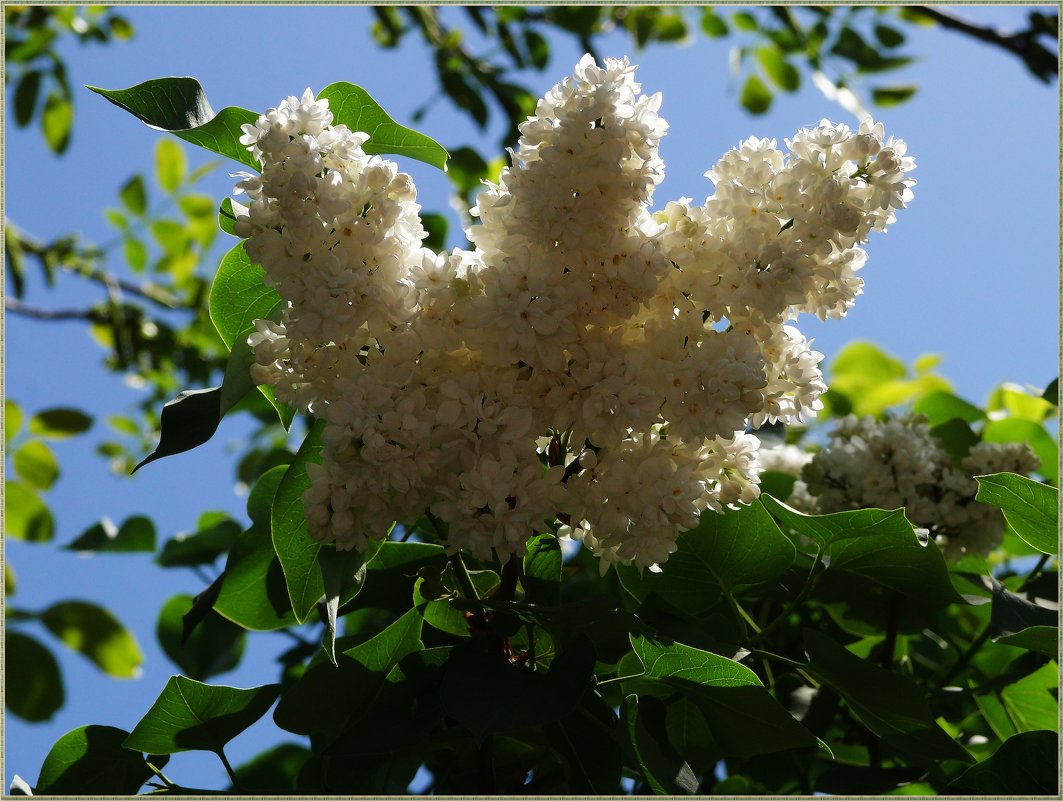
<point x="588" y="362"/>
<point x="897" y="463"/>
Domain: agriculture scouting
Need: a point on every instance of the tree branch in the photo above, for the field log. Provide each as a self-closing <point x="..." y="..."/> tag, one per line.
<point x="1037" y="58"/>
<point x="37" y="313"/>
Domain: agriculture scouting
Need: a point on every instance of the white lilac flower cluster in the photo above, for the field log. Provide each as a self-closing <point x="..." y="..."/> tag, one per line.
<point x="897" y="463"/>
<point x="587" y="361"/>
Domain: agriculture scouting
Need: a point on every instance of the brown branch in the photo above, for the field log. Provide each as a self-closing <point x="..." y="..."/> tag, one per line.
<point x="37" y="313"/>
<point x="1038" y="59"/>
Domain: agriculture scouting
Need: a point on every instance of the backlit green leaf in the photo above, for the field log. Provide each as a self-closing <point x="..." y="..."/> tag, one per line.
<point x="36" y="464"/>
<point x="1031" y="701"/>
<point x="136" y="534"/>
<point x="170" y="164"/>
<point x="755" y="97"/>
<point x="134" y="196"/>
<point x="1031" y="508"/>
<point x="94" y="632"/>
<point x="214" y="646"/>
<point x="1012" y="429"/>
<point x="253" y="593"/>
<point x="26" y="516"/>
<point x="1027" y="764"/>
<point x="238" y="296"/>
<point x="191" y="716"/>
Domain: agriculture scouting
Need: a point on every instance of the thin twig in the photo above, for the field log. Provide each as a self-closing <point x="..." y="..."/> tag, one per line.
<point x="37" y="313"/>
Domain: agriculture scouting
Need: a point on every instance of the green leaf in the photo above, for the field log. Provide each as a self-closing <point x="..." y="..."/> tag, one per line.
<point x="538" y="49"/>
<point x="190" y="716"/>
<point x="436" y="226"/>
<point x="690" y="735"/>
<point x="352" y="106"/>
<point x="876" y="544"/>
<point x="326" y="698"/>
<point x="227" y="214"/>
<point x="253" y="593"/>
<point x="215" y="645"/>
<point x="664" y="771"/>
<point x="1033" y="434"/>
<point x="26" y="516"/>
<point x="1042" y="640"/>
<point x="392" y="570"/>
<point x="59" y="423"/>
<point x="200" y="547"/>
<point x="736" y="548"/>
<point x="237" y="381"/>
<point x="755" y="97"/>
<point x="135" y="196"/>
<point x="889" y="96"/>
<point x="91" y="760"/>
<point x="889" y="37"/>
<point x="9" y="579"/>
<point x="440" y="613"/>
<point x="179" y="105"/>
<point x="745" y="21"/>
<point x="742" y="716"/>
<point x="1031" y="701"/>
<point x="886" y="702"/>
<point x="296" y="549"/>
<point x="542" y="570"/>
<point x="1012" y="613"/>
<point x="34" y="685"/>
<point x="170" y="164"/>
<point x="713" y="24"/>
<point x="939" y="407"/>
<point x="1051" y="393"/>
<point x="136" y="534"/>
<point x="135" y="253"/>
<point x="26" y="94"/>
<point x="12" y="421"/>
<point x="782" y="73"/>
<point x="996" y="716"/>
<point x="1020" y="403"/>
<point x="36" y="464"/>
<point x="1026" y="764"/>
<point x="56" y="121"/>
<point x="1030" y="508"/>
<point x="238" y="296"/>
<point x="343" y="573"/>
<point x="95" y="633"/>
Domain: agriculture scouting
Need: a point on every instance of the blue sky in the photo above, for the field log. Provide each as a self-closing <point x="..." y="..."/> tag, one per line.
<point x="970" y="271"/>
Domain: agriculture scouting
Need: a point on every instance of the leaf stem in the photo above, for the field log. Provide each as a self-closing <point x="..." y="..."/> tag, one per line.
<point x="783" y="660"/>
<point x="462" y="574"/>
<point x="229" y="769"/>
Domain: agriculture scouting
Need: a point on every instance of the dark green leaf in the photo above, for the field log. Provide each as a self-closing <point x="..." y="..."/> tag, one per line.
<point x="34" y="686"/>
<point x="59" y="423"/>
<point x="876" y="544"/>
<point x="1051" y="393"/>
<point x="343" y="573"/>
<point x="56" y="121"/>
<point x="1031" y="701"/>
<point x="190" y="716"/>
<point x="782" y="73"/>
<point x="352" y="106"/>
<point x="888" y="37"/>
<point x="296" y="549"/>
<point x="690" y="735"/>
<point x="1027" y="764"/>
<point x="956" y="437"/>
<point x="135" y="196"/>
<point x="327" y="697"/>
<point x="179" y="105"/>
<point x="200" y="547"/>
<point x="743" y="717"/>
<point x="94" y="632"/>
<point x="238" y="296"/>
<point x="477" y="677"/>
<point x="538" y="49"/>
<point x="1043" y="640"/>
<point x="440" y="613"/>
<point x="187" y="422"/>
<point x="26" y="94"/>
<point x="889" y="96"/>
<point x="664" y="771"/>
<point x="36" y="464"/>
<point x="542" y="570"/>
<point x="91" y="760"/>
<point x="253" y="593"/>
<point x="9" y="579"/>
<point x="887" y="703"/>
<point x="739" y="547"/>
<point x="26" y="516"/>
<point x="392" y="570"/>
<point x="941" y="406"/>
<point x="436" y="226"/>
<point x="755" y="97"/>
<point x="136" y="534"/>
<point x="1030" y="508"/>
<point x="273" y="771"/>
<point x="1012" y="613"/>
<point x="215" y="646"/>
